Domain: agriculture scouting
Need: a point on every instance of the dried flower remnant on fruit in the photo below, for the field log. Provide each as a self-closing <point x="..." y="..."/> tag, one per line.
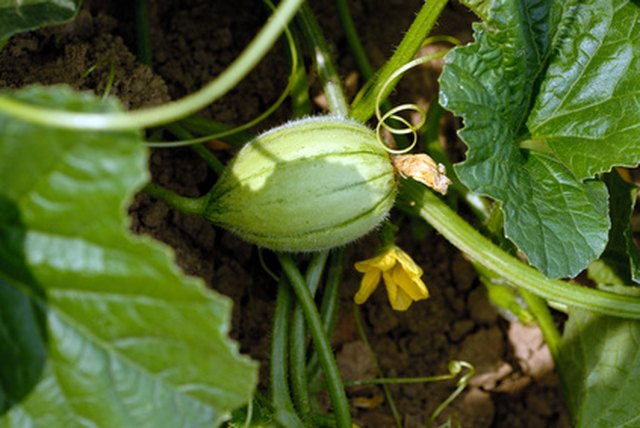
<point x="401" y="275"/>
<point x="422" y="168"/>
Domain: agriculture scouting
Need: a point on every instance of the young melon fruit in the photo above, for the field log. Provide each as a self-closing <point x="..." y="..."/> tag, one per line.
<point x="311" y="184"/>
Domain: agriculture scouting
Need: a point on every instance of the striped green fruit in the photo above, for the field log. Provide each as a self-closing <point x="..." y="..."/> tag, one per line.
<point x="311" y="184"/>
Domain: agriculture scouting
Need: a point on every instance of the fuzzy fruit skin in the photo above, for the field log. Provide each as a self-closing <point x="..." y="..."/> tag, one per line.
<point x="309" y="185"/>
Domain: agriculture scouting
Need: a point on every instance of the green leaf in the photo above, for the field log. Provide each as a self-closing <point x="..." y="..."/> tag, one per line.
<point x="546" y="88"/>
<point x="112" y="333"/>
<point x="587" y="108"/>
<point x="479" y="7"/>
<point x="621" y="255"/>
<point x="22" y="328"/>
<point x="24" y="15"/>
<point x="599" y="366"/>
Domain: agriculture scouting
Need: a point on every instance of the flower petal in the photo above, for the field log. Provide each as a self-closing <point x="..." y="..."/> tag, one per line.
<point x="369" y="283"/>
<point x="392" y="288"/>
<point x="410" y="284"/>
<point x="401" y="277"/>
<point x="384" y="261"/>
<point x="400" y="301"/>
<point x="407" y="263"/>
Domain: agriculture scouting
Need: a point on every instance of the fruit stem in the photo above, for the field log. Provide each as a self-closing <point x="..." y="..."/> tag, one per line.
<point x="182" y="203"/>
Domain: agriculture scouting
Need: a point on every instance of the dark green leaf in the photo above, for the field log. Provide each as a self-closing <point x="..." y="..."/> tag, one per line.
<point x="599" y="366"/>
<point x="621" y="255"/>
<point x="130" y="341"/>
<point x="23" y="347"/>
<point x="587" y="108"/>
<point x="479" y="7"/>
<point x="556" y="219"/>
<point x="24" y="15"/>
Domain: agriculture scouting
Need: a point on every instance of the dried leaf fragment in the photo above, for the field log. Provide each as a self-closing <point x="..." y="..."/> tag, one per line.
<point x="422" y="168"/>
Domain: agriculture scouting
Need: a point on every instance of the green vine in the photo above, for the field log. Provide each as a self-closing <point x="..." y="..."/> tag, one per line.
<point x="172" y="111"/>
<point x="483" y="251"/>
<point x="324" y="64"/>
<point x="363" y="106"/>
<point x="320" y="341"/>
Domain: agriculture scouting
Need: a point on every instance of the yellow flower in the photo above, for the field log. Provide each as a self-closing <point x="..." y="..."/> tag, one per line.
<point x="401" y="277"/>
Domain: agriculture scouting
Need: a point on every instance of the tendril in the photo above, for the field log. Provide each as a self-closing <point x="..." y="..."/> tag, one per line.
<point x="407" y="127"/>
<point x="455" y="371"/>
<point x="455" y="368"/>
<point x="283" y="96"/>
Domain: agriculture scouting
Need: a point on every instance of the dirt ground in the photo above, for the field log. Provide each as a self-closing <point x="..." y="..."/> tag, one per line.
<point x="193" y="40"/>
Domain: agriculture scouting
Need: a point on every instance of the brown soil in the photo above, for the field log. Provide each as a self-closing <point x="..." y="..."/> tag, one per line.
<point x="193" y="40"/>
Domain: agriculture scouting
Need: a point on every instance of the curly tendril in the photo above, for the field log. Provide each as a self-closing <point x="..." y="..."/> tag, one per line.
<point x="455" y="369"/>
<point x="405" y="126"/>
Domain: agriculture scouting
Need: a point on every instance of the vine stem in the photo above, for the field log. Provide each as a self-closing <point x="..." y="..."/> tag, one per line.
<point x="328" y="307"/>
<point x="320" y="341"/>
<point x="481" y="250"/>
<point x="279" y="386"/>
<point x="211" y="160"/>
<point x="172" y="111"/>
<point x="331" y="295"/>
<point x="298" y="338"/>
<point x="545" y="322"/>
<point x="359" y="54"/>
<point x="324" y="63"/>
<point x="185" y="204"/>
<point x="364" y="107"/>
<point x="143" y="37"/>
<point x="279" y="349"/>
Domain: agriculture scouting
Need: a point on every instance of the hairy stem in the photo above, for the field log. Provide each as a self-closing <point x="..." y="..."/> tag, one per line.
<point x="330" y="298"/>
<point x="324" y="63"/>
<point x="328" y="307"/>
<point x="364" y="107"/>
<point x="481" y="250"/>
<point x="181" y="203"/>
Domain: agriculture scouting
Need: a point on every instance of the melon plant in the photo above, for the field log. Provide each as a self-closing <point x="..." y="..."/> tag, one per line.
<point x="100" y="328"/>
